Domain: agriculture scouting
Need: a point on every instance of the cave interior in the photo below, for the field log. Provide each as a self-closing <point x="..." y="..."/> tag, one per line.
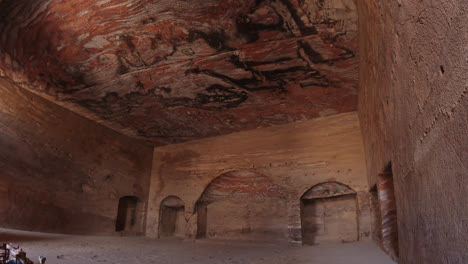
<point x="267" y="131"/>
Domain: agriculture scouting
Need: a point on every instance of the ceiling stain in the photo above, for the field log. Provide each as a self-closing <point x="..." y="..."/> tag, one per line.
<point x="171" y="71"/>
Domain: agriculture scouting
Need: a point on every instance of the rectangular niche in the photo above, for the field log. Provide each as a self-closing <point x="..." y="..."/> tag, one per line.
<point x="331" y="219"/>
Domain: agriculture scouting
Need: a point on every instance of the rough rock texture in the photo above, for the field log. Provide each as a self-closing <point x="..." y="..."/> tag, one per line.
<point x="173" y="70"/>
<point x="60" y="172"/>
<point x="388" y="213"/>
<point x="243" y="205"/>
<point x="328" y="189"/>
<point x="328" y="214"/>
<point x="413" y="110"/>
<point x="171" y="217"/>
<point x="293" y="157"/>
<point x="332" y="219"/>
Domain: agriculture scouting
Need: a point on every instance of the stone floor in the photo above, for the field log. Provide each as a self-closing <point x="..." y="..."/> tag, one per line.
<point x="67" y="249"/>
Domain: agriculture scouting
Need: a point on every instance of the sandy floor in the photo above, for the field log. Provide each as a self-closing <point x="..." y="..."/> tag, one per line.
<point x="66" y="249"/>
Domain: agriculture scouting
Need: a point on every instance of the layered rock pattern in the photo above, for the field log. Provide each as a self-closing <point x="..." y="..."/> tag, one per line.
<point x="171" y="71"/>
<point x="65" y="177"/>
<point x="243" y="205"/>
<point x="328" y="189"/>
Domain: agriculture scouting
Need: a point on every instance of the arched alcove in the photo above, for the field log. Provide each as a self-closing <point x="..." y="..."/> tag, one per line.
<point x="130" y="215"/>
<point x="171" y="217"/>
<point x="242" y="205"/>
<point x="329" y="214"/>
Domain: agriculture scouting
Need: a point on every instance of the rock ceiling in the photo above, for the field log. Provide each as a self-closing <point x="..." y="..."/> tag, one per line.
<point x="169" y="71"/>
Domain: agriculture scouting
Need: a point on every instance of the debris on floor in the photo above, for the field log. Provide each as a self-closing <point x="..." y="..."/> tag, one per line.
<point x="10" y="254"/>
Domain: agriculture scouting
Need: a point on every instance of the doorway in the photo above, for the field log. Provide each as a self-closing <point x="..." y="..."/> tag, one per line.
<point x="128" y="215"/>
<point x="172" y="218"/>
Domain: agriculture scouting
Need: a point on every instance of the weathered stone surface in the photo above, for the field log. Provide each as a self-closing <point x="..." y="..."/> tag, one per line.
<point x="171" y="71"/>
<point x="388" y="213"/>
<point x="413" y="110"/>
<point x="333" y="219"/>
<point x="290" y="159"/>
<point x="243" y="205"/>
<point x="171" y="217"/>
<point x="328" y="189"/>
<point x="60" y="172"/>
<point x="329" y="214"/>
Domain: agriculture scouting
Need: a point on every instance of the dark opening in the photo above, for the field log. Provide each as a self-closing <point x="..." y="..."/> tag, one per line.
<point x="376" y="217"/>
<point x="202" y="219"/>
<point x="172" y="219"/>
<point x="388" y="211"/>
<point x="126" y="213"/>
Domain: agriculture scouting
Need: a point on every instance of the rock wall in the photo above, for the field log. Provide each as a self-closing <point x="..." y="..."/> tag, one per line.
<point x="60" y="172"/>
<point x="328" y="214"/>
<point x="243" y="205"/>
<point x="413" y="110"/>
<point x="293" y="157"/>
<point x="331" y="219"/>
<point x="388" y="213"/>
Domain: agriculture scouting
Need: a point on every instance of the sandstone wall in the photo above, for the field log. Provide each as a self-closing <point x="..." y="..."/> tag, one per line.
<point x="294" y="157"/>
<point x="60" y="172"/>
<point x="324" y="219"/>
<point x="413" y="110"/>
<point x="243" y="205"/>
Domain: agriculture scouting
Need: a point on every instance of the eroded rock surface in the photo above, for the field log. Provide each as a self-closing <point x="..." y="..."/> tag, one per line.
<point x="171" y="71"/>
<point x="64" y="177"/>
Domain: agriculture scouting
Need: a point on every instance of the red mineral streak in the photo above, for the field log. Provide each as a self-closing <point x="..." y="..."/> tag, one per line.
<point x="171" y="71"/>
